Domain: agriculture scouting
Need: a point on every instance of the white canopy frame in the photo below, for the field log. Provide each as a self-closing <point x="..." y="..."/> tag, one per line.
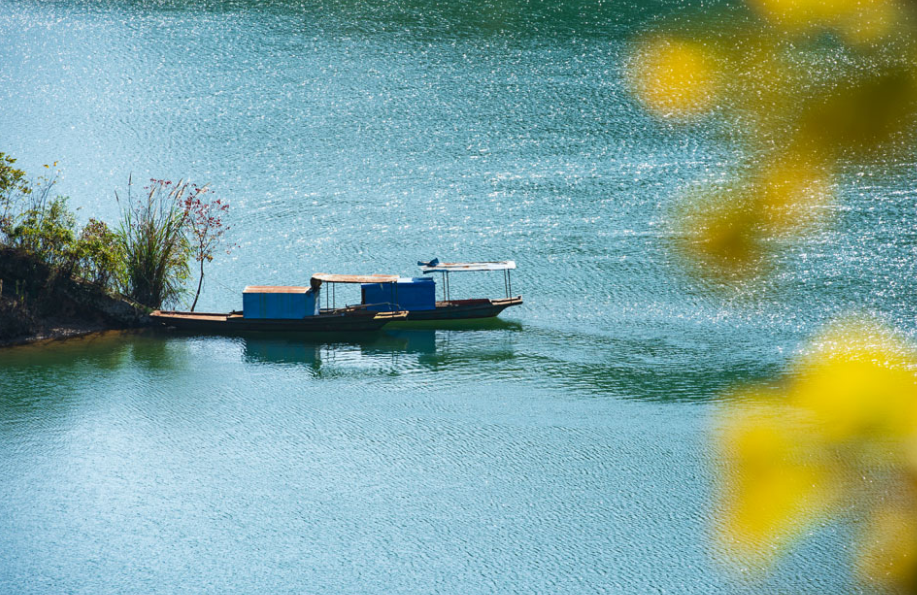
<point x="469" y="267"/>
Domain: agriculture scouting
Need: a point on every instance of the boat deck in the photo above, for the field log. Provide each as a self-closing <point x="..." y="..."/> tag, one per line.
<point x="344" y="319"/>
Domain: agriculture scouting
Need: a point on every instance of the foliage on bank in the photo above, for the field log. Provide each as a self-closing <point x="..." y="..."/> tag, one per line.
<point x="36" y="222"/>
<point x="144" y="257"/>
<point x="53" y="266"/>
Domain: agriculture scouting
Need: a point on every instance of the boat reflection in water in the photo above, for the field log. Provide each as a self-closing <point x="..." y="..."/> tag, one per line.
<point x="385" y="351"/>
<point x="279" y="350"/>
<point x="372" y="349"/>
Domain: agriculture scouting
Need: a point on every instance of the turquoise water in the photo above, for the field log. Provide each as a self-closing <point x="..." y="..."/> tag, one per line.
<point x="564" y="450"/>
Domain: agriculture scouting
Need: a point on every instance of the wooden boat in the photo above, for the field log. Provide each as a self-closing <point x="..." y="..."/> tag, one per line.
<point x="419" y="298"/>
<point x="288" y="309"/>
<point x="449" y="309"/>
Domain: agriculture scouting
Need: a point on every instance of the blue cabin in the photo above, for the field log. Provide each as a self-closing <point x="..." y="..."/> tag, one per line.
<point x="279" y="302"/>
<point x="407" y="293"/>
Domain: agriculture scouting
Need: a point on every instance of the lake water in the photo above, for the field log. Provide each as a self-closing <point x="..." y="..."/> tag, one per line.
<point x="562" y="451"/>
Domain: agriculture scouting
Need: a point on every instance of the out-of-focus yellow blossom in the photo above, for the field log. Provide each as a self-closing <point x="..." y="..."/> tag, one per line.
<point x="720" y="234"/>
<point x="674" y="77"/>
<point x="867" y="117"/>
<point x="724" y="231"/>
<point x="810" y="89"/>
<point x="861" y="21"/>
<point x="773" y="487"/>
<point x="874" y="22"/>
<point x="859" y="384"/>
<point x="889" y="546"/>
<point x="791" y="13"/>
<point x="791" y="192"/>
<point x="858" y="400"/>
<point x="805" y="106"/>
<point x="849" y="405"/>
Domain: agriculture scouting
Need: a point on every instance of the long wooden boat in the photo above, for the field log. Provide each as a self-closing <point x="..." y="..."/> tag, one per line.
<point x="289" y="309"/>
<point x="340" y="320"/>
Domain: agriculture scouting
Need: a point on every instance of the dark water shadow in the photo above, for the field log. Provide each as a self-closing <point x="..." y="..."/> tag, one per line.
<point x="644" y="368"/>
<point x="40" y="379"/>
<point x="464" y="353"/>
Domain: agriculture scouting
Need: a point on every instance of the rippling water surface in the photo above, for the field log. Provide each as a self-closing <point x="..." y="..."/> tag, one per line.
<point x="562" y="450"/>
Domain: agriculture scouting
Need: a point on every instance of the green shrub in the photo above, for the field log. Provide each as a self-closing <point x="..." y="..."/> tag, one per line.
<point x="47" y="231"/>
<point x="32" y="219"/>
<point x="99" y="255"/>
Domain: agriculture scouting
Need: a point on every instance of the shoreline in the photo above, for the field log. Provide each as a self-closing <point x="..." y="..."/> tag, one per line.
<point x="58" y="332"/>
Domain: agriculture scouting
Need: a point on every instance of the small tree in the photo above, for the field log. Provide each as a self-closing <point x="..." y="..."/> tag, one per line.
<point x="13" y="183"/>
<point x="46" y="230"/>
<point x="152" y="237"/>
<point x="32" y="219"/>
<point x="204" y="219"/>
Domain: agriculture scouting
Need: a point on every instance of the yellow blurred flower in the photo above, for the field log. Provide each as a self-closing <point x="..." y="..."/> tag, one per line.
<point x="773" y="486"/>
<point x="723" y="231"/>
<point x="792" y="190"/>
<point x="862" y="21"/>
<point x="859" y="382"/>
<point x="825" y="84"/>
<point x="848" y="406"/>
<point x="791" y="13"/>
<point x="674" y="77"/>
<point x="872" y="22"/>
<point x="889" y="546"/>
<point x="718" y="231"/>
<point x="865" y="117"/>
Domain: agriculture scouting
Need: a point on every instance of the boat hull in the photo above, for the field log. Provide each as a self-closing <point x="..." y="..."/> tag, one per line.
<point x="464" y="309"/>
<point x="343" y="321"/>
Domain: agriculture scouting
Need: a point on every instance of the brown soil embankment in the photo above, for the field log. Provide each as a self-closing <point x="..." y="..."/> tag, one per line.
<point x="40" y="302"/>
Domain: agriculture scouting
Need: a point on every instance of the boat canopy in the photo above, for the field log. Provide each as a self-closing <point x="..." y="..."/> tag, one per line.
<point x="328" y="278"/>
<point x="435" y="266"/>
